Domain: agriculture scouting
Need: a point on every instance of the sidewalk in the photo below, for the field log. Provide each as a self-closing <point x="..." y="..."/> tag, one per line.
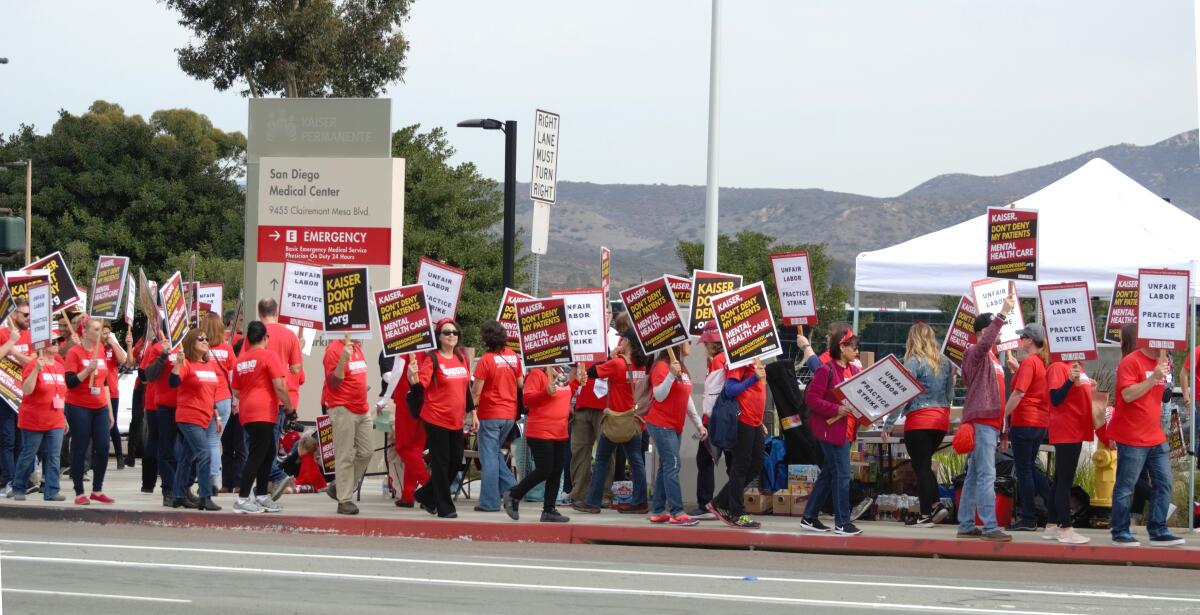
<point x="314" y="513"/>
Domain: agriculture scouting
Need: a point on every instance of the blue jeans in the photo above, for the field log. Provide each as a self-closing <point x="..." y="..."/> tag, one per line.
<point x="667" y="493"/>
<point x="604" y="452"/>
<point x="214" y="439"/>
<point x="88" y="426"/>
<point x="167" y="434"/>
<point x="979" y="487"/>
<point x="1030" y="482"/>
<point x="8" y="440"/>
<point x="1130" y="460"/>
<point x="496" y="477"/>
<point x="49" y="445"/>
<point x="277" y="473"/>
<point x="834" y="480"/>
<point x="191" y="449"/>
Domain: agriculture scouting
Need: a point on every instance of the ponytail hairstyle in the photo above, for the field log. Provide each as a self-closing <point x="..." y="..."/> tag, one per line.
<point x="1043" y="352"/>
<point x="1128" y="338"/>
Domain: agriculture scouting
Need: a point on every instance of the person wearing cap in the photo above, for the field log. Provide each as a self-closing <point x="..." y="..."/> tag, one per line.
<point x="708" y="456"/>
<point x="1028" y="409"/>
<point x="444" y="375"/>
<point x="1071" y="424"/>
<point x="344" y="396"/>
<point x="983" y="413"/>
<point x="14" y="343"/>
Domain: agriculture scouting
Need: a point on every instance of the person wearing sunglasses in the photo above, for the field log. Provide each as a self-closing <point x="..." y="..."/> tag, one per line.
<point x="14" y="343"/>
<point x="195" y="379"/>
<point x="344" y="396"/>
<point x="89" y="416"/>
<point x="444" y="375"/>
<point x="41" y="421"/>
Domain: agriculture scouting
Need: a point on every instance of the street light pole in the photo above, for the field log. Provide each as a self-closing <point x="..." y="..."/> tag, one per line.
<point x="28" y="211"/>
<point x="711" y="195"/>
<point x="510" y="188"/>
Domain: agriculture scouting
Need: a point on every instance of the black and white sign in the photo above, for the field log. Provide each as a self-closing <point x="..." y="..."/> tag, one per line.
<point x="302" y="300"/>
<point x="39" y="315"/>
<point x="443" y="286"/>
<point x="1070" y="326"/>
<point x="989" y="296"/>
<point x="543" y="183"/>
<point x="1163" y="308"/>
<point x="880" y="389"/>
<point x="585" y="318"/>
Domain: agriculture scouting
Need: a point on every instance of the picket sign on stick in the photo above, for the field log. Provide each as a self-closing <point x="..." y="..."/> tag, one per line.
<point x="39" y="316"/>
<point x="878" y="390"/>
<point x="656" y="321"/>
<point x="961" y="333"/>
<point x="1163" y="308"/>
<point x="746" y="325"/>
<point x="443" y="287"/>
<point x="988" y="296"/>
<point x="1067" y="313"/>
<point x="545" y="335"/>
<point x="705" y="285"/>
<point x="1122" y="307"/>
<point x="404" y="322"/>
<point x="585" y="317"/>
<point x="793" y="284"/>
<point x="1012" y="245"/>
<point x="63" y="291"/>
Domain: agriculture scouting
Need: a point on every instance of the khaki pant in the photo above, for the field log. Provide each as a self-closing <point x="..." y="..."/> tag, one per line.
<point x="585" y="428"/>
<point x="352" y="449"/>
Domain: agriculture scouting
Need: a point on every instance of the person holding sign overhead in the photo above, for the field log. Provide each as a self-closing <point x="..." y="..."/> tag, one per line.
<point x="88" y="413"/>
<point x="344" y="396"/>
<point x="195" y="378"/>
<point x="260" y="389"/>
<point x="41" y="422"/>
<point x="1028" y="409"/>
<point x="443" y="376"/>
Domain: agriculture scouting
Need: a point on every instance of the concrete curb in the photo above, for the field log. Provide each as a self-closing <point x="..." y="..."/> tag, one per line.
<point x="581" y="533"/>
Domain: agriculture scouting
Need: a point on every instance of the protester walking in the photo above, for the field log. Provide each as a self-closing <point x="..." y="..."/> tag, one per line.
<point x="195" y="377"/>
<point x="409" y="435"/>
<point x="259" y="390"/>
<point x="672" y="401"/>
<point x="926" y="418"/>
<point x="708" y="455"/>
<point x="155" y="371"/>
<point x="1028" y="409"/>
<point x="828" y="416"/>
<point x="283" y="343"/>
<point x="1071" y="424"/>
<point x="498" y="377"/>
<point x="547" y="395"/>
<point x="144" y="352"/>
<point x="344" y="396"/>
<point x="443" y="376"/>
<point x="88" y="413"/>
<point x="114" y="357"/>
<point x="748" y="386"/>
<point x="220" y="354"/>
<point x="41" y="420"/>
<point x="14" y="344"/>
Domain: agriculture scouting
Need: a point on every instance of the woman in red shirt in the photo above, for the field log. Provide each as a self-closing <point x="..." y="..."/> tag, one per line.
<point x="222" y="358"/>
<point x="195" y="376"/>
<point x="114" y="358"/>
<point x="548" y="397"/>
<point x="497" y="379"/>
<point x="409" y="435"/>
<point x="445" y="413"/>
<point x="671" y="401"/>
<point x="1029" y="408"/>
<point x="41" y="422"/>
<point x="259" y="388"/>
<point x="89" y="416"/>
<point x="1070" y="426"/>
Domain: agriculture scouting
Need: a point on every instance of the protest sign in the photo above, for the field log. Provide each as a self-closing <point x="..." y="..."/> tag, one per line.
<point x="988" y="296"/>
<point x="18" y="283"/>
<point x="1122" y="307"/>
<point x="404" y="324"/>
<point x="585" y="319"/>
<point x="347" y="301"/>
<point x="443" y="287"/>
<point x="879" y="390"/>
<point x="39" y="315"/>
<point x="130" y="301"/>
<point x="705" y="284"/>
<point x="63" y="291"/>
<point x="793" y="284"/>
<point x="545" y="335"/>
<point x="1163" y="308"/>
<point x="108" y="287"/>
<point x="211" y="294"/>
<point x="681" y="289"/>
<point x="175" y="307"/>
<point x="1012" y="243"/>
<point x="507" y="316"/>
<point x="961" y="334"/>
<point x="606" y="272"/>
<point x="10" y="382"/>
<point x="655" y="317"/>
<point x="301" y="298"/>
<point x="1067" y="314"/>
<point x="6" y="300"/>
<point x="747" y="327"/>
<point x="325" y="442"/>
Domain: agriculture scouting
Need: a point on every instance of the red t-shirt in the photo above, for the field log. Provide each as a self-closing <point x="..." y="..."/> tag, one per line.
<point x="928" y="418"/>
<point x="252" y="376"/>
<point x="23" y="344"/>
<point x="197" y="392"/>
<point x="446" y="399"/>
<point x="620" y="383"/>
<point x="110" y="361"/>
<point x="310" y="472"/>
<point x="149" y="388"/>
<point x="1070" y="421"/>
<point x="997" y="422"/>
<point x="1034" y="408"/>
<point x="400" y="394"/>
<point x="548" y="415"/>
<point x="718" y="362"/>
<point x="223" y="360"/>
<point x="42" y="410"/>
<point x="752" y="401"/>
<point x="81" y="395"/>
<point x="165" y="394"/>
<point x="1137" y="423"/>
<point x="670" y="412"/>
<point x="587" y="395"/>
<point x="498" y="371"/>
<point x="353" y="393"/>
<point x="283" y="343"/>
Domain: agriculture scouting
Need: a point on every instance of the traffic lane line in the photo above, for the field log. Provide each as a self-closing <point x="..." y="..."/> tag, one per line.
<point x="46" y="592"/>
<point x="575" y="589"/>
<point x="1104" y="595"/>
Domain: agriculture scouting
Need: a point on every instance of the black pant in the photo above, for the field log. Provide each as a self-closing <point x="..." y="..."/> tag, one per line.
<point x="1066" y="458"/>
<point x="445" y="459"/>
<point x="258" y="463"/>
<point x="150" y="454"/>
<point x="137" y="415"/>
<point x="706" y="472"/>
<point x="921" y="445"/>
<point x="168" y="433"/>
<point x="548" y="457"/>
<point x="747" y="464"/>
<point x="233" y="452"/>
<point x="114" y="432"/>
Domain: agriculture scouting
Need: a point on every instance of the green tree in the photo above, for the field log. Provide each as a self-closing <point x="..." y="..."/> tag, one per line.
<point x="295" y="48"/>
<point x="450" y="212"/>
<point x="748" y="253"/>
<point x="109" y="183"/>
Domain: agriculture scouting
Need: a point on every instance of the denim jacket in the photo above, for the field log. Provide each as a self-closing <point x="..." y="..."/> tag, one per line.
<point x="939" y="387"/>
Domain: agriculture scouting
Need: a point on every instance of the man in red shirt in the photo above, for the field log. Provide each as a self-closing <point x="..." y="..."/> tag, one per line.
<point x="344" y="396"/>
<point x="283" y="342"/>
<point x="14" y="343"/>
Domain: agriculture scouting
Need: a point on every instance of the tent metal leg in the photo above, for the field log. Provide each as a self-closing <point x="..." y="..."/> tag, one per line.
<point x="854" y="321"/>
<point x="1191" y="439"/>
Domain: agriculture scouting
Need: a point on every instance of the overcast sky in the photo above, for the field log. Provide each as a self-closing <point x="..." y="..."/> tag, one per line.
<point x="850" y="95"/>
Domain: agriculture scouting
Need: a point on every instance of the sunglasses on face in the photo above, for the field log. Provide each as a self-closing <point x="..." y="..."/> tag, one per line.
<point x="25" y="314"/>
<point x="449" y="333"/>
<point x="202" y="339"/>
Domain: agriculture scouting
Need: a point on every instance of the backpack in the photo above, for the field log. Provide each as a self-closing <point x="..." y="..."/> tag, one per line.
<point x="723" y="424"/>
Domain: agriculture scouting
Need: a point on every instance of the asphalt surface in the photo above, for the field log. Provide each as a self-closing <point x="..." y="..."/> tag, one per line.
<point x="73" y="568"/>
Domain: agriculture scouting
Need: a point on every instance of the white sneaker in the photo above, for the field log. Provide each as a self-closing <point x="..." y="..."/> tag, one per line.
<point x="1052" y="532"/>
<point x="246" y="506"/>
<point x="1170" y="510"/>
<point x="7" y="491"/>
<point x="1068" y="536"/>
<point x="267" y="504"/>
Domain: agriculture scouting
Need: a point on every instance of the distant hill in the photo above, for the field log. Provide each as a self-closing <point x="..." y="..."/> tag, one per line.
<point x="641" y="223"/>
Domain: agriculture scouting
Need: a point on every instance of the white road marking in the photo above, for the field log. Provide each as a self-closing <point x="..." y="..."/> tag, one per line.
<point x="929" y="608"/>
<point x="42" y="592"/>
<point x="624" y="572"/>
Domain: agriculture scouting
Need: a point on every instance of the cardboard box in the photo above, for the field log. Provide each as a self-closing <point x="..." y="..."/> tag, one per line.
<point x="786" y="502"/>
<point x="756" y="502"/>
<point x="803" y="488"/>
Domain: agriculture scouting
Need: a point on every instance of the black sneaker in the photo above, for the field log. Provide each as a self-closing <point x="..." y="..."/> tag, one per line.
<point x="553" y="516"/>
<point x="996" y="536"/>
<point x="974" y="533"/>
<point x="919" y="521"/>
<point x="1125" y="540"/>
<point x="721" y="514"/>
<point x="1023" y="525"/>
<point x="1166" y="540"/>
<point x="702" y="514"/>
<point x="813" y="525"/>
<point x="847" y="530"/>
<point x="940" y="513"/>
<point x="861" y="509"/>
<point x="510" y="506"/>
<point x="746" y="522"/>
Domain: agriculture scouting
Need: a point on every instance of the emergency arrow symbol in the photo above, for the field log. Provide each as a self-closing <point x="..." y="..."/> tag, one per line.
<point x="274" y="235"/>
<point x="274" y="283"/>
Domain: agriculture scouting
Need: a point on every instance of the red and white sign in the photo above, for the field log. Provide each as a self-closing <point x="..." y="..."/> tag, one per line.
<point x="681" y="289"/>
<point x="880" y="389"/>
<point x="443" y="287"/>
<point x="747" y="327"/>
<point x="507" y="317"/>
<point x="403" y="320"/>
<point x="325" y="245"/>
<point x="656" y="319"/>
<point x="1012" y="243"/>
<point x="585" y="318"/>
<point x="793" y="283"/>
<point x="1070" y="325"/>
<point x="545" y="335"/>
<point x="1163" y="308"/>
<point x="989" y="295"/>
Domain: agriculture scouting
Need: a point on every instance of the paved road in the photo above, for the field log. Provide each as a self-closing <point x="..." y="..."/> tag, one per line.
<point x="73" y="568"/>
